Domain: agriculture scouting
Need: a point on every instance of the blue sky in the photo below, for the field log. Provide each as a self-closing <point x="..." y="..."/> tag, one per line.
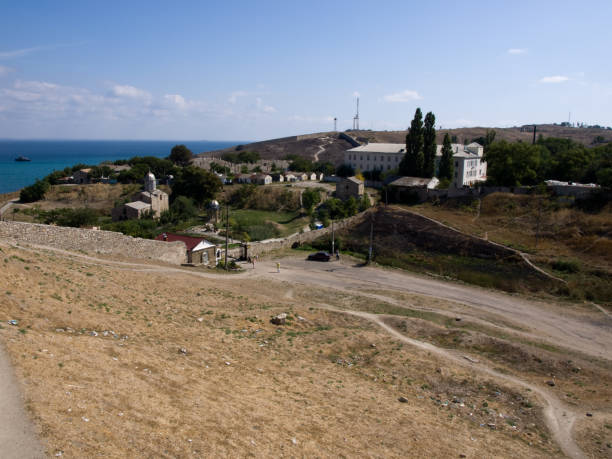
<point x="257" y="70"/>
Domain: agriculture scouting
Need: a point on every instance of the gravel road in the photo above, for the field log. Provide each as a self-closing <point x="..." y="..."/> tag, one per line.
<point x="18" y="439"/>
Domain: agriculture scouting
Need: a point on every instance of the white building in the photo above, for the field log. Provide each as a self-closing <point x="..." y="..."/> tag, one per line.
<point x="469" y="166"/>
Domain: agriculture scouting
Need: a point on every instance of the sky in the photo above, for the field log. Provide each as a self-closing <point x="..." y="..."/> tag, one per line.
<point x="202" y="70"/>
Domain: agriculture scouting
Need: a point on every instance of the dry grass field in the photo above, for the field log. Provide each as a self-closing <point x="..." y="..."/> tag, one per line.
<point x="143" y="361"/>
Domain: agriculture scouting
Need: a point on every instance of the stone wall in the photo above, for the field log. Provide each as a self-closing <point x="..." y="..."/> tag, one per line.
<point x="258" y="248"/>
<point x="93" y="241"/>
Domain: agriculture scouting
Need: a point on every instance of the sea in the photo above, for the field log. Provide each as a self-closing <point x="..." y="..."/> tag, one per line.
<point x="49" y="155"/>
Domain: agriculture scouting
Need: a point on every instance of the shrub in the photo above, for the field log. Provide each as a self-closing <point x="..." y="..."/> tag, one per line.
<point x="34" y="192"/>
<point x="566" y="266"/>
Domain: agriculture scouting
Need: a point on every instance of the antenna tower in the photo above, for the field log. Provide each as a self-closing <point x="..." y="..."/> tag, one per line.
<point x="356" y="118"/>
<point x="335" y="124"/>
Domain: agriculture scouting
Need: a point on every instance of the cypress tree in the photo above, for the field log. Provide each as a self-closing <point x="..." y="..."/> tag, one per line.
<point x="446" y="162"/>
<point x="429" y="145"/>
<point x="412" y="163"/>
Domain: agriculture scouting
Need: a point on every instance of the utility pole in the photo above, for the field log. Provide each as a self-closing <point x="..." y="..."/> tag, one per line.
<point x="538" y="223"/>
<point x="333" y="238"/>
<point x="226" y="233"/>
<point x="371" y="240"/>
<point x="534" y="134"/>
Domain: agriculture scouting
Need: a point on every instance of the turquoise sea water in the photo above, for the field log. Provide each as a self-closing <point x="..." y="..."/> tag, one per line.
<point x="50" y="155"/>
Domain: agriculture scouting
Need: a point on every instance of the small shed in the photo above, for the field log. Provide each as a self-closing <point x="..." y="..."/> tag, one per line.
<point x="261" y="179"/>
<point x="349" y="187"/>
<point x="199" y="251"/>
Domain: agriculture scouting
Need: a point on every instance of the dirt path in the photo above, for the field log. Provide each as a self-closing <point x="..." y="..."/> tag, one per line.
<point x="558" y="417"/>
<point x="18" y="439"/>
<point x="556" y="324"/>
<point x="322" y="148"/>
<point x="552" y="323"/>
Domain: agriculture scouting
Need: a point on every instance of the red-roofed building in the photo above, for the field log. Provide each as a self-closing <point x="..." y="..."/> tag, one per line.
<point x="199" y="251"/>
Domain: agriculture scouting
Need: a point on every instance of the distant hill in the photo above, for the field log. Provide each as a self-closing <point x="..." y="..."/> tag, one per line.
<point x="330" y="146"/>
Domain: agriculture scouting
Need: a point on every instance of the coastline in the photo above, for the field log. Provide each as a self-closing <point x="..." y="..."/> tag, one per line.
<point x="47" y="156"/>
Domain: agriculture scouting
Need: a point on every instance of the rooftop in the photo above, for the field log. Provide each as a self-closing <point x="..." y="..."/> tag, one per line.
<point x="192" y="243"/>
<point x="380" y="148"/>
<point x="138" y="205"/>
<point x="411" y="181"/>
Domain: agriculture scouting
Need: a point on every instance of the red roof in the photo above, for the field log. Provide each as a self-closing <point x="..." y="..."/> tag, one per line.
<point x="190" y="242"/>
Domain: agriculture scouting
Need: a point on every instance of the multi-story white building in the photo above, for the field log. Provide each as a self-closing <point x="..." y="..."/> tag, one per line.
<point x="469" y="166"/>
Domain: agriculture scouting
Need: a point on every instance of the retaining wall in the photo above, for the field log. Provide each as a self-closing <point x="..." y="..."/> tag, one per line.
<point x="93" y="241"/>
<point x="258" y="248"/>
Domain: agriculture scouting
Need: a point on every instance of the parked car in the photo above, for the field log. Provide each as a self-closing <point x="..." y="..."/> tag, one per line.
<point x="319" y="256"/>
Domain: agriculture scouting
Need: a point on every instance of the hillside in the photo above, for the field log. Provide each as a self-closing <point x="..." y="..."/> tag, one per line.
<point x="149" y="360"/>
<point x="327" y="146"/>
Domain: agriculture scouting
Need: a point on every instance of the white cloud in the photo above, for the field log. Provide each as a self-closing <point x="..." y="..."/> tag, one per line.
<point x="233" y="98"/>
<point x="176" y="99"/>
<point x="5" y="70"/>
<point x="129" y="91"/>
<point x="554" y="79"/>
<point x="517" y="51"/>
<point x="402" y="96"/>
<point x="264" y="108"/>
<point x="19" y="52"/>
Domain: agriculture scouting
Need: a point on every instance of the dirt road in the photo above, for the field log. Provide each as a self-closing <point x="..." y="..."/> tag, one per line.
<point x="554" y="323"/>
<point x="18" y="438"/>
<point x="560" y="418"/>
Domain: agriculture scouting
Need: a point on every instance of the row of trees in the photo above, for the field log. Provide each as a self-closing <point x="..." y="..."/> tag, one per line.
<point x="511" y="164"/>
<point x="420" y="157"/>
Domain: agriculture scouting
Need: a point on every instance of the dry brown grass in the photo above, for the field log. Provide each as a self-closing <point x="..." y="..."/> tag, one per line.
<point x="132" y="393"/>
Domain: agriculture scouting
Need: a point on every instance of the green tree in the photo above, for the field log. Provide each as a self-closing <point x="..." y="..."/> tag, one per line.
<point x="512" y="164"/>
<point x="180" y="155"/>
<point x="447" y="165"/>
<point x="34" y="192"/>
<point x="326" y="168"/>
<point x="345" y="170"/>
<point x="429" y="145"/>
<point x="196" y="183"/>
<point x="310" y="198"/>
<point x="412" y="162"/>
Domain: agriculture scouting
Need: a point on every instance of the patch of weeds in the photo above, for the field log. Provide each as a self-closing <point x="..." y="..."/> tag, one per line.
<point x="23" y="331"/>
<point x="55" y="296"/>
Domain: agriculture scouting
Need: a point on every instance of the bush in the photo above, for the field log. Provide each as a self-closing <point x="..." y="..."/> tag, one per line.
<point x="566" y="266"/>
<point x="34" y="192"/>
<point x="75" y="218"/>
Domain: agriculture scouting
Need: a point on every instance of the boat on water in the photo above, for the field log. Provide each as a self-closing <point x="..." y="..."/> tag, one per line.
<point x="22" y="159"/>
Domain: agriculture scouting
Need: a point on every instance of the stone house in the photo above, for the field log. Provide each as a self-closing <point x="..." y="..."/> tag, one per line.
<point x="150" y="200"/>
<point x="198" y="251"/>
<point x="348" y="187"/>
<point x="82" y="176"/>
<point x="312" y="176"/>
